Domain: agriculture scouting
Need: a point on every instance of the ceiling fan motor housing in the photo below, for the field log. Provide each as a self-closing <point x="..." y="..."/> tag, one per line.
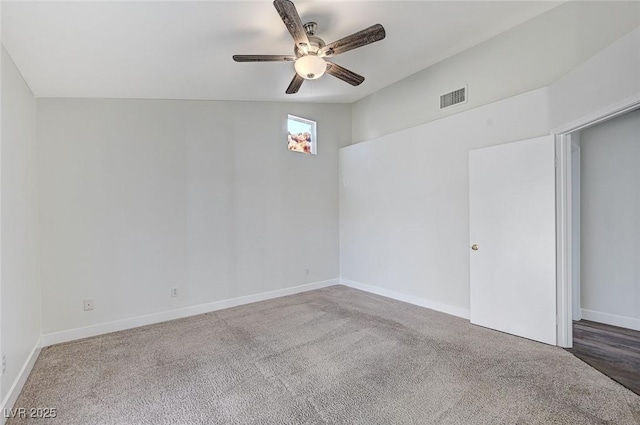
<point x="315" y="42"/>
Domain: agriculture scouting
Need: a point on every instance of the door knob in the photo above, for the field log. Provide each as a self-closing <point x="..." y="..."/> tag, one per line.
<point x="475" y="247"/>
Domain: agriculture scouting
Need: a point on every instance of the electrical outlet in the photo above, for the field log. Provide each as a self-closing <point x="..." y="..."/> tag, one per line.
<point x="174" y="292"/>
<point x="88" y="305"/>
<point x="4" y="363"/>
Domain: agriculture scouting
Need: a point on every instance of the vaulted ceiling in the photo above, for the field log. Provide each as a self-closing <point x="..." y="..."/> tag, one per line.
<point x="183" y="49"/>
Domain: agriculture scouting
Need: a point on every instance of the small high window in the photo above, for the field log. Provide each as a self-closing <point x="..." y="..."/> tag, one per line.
<point x="301" y="135"/>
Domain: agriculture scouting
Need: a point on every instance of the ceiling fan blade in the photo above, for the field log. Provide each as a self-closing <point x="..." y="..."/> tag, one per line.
<point x="344" y="74"/>
<point x="361" y="38"/>
<point x="291" y="19"/>
<point x="263" y="58"/>
<point x="295" y="84"/>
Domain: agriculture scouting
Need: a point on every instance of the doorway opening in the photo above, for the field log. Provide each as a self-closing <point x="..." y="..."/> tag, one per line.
<point x="598" y="225"/>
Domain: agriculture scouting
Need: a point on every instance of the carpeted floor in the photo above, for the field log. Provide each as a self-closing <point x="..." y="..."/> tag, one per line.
<point x="332" y="356"/>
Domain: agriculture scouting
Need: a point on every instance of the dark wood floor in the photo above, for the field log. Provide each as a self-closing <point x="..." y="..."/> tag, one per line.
<point x="611" y="350"/>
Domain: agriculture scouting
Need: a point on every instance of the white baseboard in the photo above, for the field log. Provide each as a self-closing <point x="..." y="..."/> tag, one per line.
<point x="611" y="319"/>
<point x="13" y="393"/>
<point x="134" y="322"/>
<point x="422" y="302"/>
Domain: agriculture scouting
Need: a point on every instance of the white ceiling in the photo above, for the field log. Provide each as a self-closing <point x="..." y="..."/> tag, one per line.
<point x="182" y="50"/>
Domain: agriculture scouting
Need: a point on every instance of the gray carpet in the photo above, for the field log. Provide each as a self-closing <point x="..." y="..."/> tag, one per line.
<point x="332" y="356"/>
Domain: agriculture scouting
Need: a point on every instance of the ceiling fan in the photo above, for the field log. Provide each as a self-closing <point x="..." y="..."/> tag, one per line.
<point x="310" y="51"/>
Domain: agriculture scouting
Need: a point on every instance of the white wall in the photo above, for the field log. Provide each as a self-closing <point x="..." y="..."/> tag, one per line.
<point x="527" y="57"/>
<point x="404" y="207"/>
<point x="610" y="220"/>
<point x="139" y="196"/>
<point x="19" y="220"/>
<point x="607" y="78"/>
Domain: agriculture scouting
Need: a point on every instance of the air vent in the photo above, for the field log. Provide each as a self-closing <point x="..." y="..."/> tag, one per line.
<point x="453" y="98"/>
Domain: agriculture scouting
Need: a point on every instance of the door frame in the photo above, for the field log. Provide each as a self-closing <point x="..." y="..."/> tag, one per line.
<point x="564" y="210"/>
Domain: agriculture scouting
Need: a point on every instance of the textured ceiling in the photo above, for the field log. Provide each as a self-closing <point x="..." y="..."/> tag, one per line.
<point x="182" y="50"/>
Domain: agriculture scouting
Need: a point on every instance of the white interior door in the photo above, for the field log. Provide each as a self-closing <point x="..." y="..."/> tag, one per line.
<point x="512" y="220"/>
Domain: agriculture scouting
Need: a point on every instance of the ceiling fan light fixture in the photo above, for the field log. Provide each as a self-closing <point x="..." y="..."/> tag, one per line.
<point x="310" y="67"/>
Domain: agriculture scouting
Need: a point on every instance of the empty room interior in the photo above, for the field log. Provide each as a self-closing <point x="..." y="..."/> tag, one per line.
<point x="320" y="212"/>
